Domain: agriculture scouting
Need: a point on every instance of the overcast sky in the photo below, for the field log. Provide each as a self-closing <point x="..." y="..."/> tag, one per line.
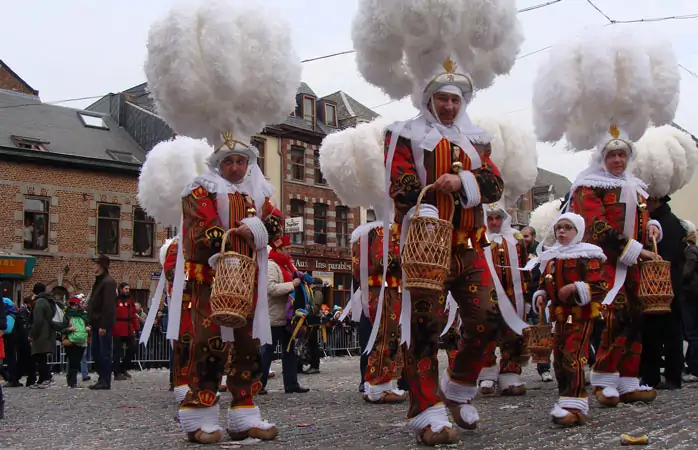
<point x="79" y="48"/>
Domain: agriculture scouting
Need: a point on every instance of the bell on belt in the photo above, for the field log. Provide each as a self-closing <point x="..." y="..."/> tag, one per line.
<point x="251" y="212"/>
<point x="457" y="167"/>
<point x="548" y="277"/>
<point x="642" y="207"/>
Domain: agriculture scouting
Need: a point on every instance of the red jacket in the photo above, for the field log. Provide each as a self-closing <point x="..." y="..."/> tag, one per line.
<point x="126" y="319"/>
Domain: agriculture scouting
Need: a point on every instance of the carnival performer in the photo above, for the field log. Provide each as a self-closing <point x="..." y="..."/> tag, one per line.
<point x="351" y="161"/>
<point x="572" y="283"/>
<point x="514" y="154"/>
<point x="612" y="67"/>
<point x="386" y="359"/>
<point x="169" y="167"/>
<point x="507" y="264"/>
<point x="441" y="147"/>
<point x="202" y="90"/>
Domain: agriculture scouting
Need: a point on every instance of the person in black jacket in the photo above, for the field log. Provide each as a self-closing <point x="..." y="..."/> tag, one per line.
<point x="662" y="333"/>
<point x="101" y="312"/>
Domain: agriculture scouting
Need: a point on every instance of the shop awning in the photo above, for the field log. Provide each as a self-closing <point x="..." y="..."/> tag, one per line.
<point x="16" y="266"/>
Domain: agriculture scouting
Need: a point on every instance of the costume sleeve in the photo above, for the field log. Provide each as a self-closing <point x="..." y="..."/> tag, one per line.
<point x="484" y="184"/>
<point x="592" y="288"/>
<point x="587" y="203"/>
<point x="202" y="224"/>
<point x="522" y="253"/>
<point x="404" y="182"/>
<point x="170" y="262"/>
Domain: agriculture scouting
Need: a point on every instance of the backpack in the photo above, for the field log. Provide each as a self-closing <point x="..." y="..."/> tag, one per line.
<point x="57" y="321"/>
<point x="11" y="311"/>
<point x="79" y="336"/>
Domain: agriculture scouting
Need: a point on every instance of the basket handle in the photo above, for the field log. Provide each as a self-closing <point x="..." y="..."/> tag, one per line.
<point x="654" y="246"/>
<point x="421" y="197"/>
<point x="224" y="242"/>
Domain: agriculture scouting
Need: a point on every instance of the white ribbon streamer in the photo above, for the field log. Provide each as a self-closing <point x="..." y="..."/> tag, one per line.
<point x="261" y="326"/>
<point x="629" y="197"/>
<point x="153" y="312"/>
<point x="452" y="308"/>
<point x="174" y="311"/>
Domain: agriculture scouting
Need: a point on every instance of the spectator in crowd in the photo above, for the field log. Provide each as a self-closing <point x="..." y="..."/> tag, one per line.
<point x="281" y="285"/>
<point x="42" y="334"/>
<point x="3" y="325"/>
<point x="86" y="355"/>
<point x="689" y="305"/>
<point x="124" y="333"/>
<point x="11" y="372"/>
<point x="75" y="335"/>
<point x="662" y="335"/>
<point x="101" y="310"/>
<point x="25" y="365"/>
<point x="140" y="312"/>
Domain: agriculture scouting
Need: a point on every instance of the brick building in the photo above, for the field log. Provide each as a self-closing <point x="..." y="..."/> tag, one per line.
<point x="68" y="180"/>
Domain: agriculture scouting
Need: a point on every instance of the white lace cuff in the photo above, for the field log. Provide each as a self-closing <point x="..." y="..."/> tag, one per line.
<point x="180" y="392"/>
<point x="489" y="373"/>
<point x="581" y="404"/>
<point x="244" y="418"/>
<point x="259" y="231"/>
<point x="659" y="226"/>
<point x="434" y="417"/>
<point x="584" y="293"/>
<point x="604" y="379"/>
<point x="205" y="419"/>
<point x="627" y="385"/>
<point x="456" y="392"/>
<point x="470" y="193"/>
<point x="631" y="253"/>
<point x="507" y="380"/>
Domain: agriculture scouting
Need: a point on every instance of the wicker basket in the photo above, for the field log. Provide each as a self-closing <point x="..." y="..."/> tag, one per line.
<point x="656" y="291"/>
<point x="538" y="340"/>
<point x="426" y="255"/>
<point x="232" y="290"/>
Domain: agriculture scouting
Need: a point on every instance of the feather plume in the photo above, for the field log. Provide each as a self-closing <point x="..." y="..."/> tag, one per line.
<point x="542" y="219"/>
<point x="666" y="160"/>
<point x="169" y="167"/>
<point x="399" y="43"/>
<point x="222" y="66"/>
<point x="601" y="78"/>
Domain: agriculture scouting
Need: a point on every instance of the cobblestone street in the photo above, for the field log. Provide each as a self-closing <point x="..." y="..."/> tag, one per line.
<point x="138" y="414"/>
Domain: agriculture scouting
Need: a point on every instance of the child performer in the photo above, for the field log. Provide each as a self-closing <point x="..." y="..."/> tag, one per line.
<point x="572" y="281"/>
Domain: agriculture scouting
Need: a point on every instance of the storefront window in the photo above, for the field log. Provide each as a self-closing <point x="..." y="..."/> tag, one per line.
<point x="342" y="289"/>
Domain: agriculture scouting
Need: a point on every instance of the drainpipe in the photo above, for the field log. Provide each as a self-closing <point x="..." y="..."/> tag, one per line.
<point x="281" y="181"/>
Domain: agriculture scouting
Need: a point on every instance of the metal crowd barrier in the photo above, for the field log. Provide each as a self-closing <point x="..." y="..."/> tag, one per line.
<point x="341" y="340"/>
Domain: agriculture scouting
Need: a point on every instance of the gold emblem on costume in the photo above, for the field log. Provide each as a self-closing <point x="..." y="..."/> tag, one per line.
<point x="251" y="212"/>
<point x="450" y="65"/>
<point x="642" y="207"/>
<point x="199" y="192"/>
<point x="230" y="142"/>
<point x="457" y="167"/>
<point x="207" y="398"/>
<point x="613" y="131"/>
<point x="548" y="277"/>
<point x="215" y="233"/>
<point x="216" y="344"/>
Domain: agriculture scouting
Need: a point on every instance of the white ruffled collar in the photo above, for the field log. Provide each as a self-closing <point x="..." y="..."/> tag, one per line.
<point x="572" y="251"/>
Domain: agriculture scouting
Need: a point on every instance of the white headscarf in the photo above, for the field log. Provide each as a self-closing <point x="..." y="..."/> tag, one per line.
<point x="573" y="250"/>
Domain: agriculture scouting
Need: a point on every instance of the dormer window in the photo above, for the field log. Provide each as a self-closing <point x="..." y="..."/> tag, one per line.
<point x="91" y="121"/>
<point x="30" y="144"/>
<point x="331" y="114"/>
<point x="309" y="109"/>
